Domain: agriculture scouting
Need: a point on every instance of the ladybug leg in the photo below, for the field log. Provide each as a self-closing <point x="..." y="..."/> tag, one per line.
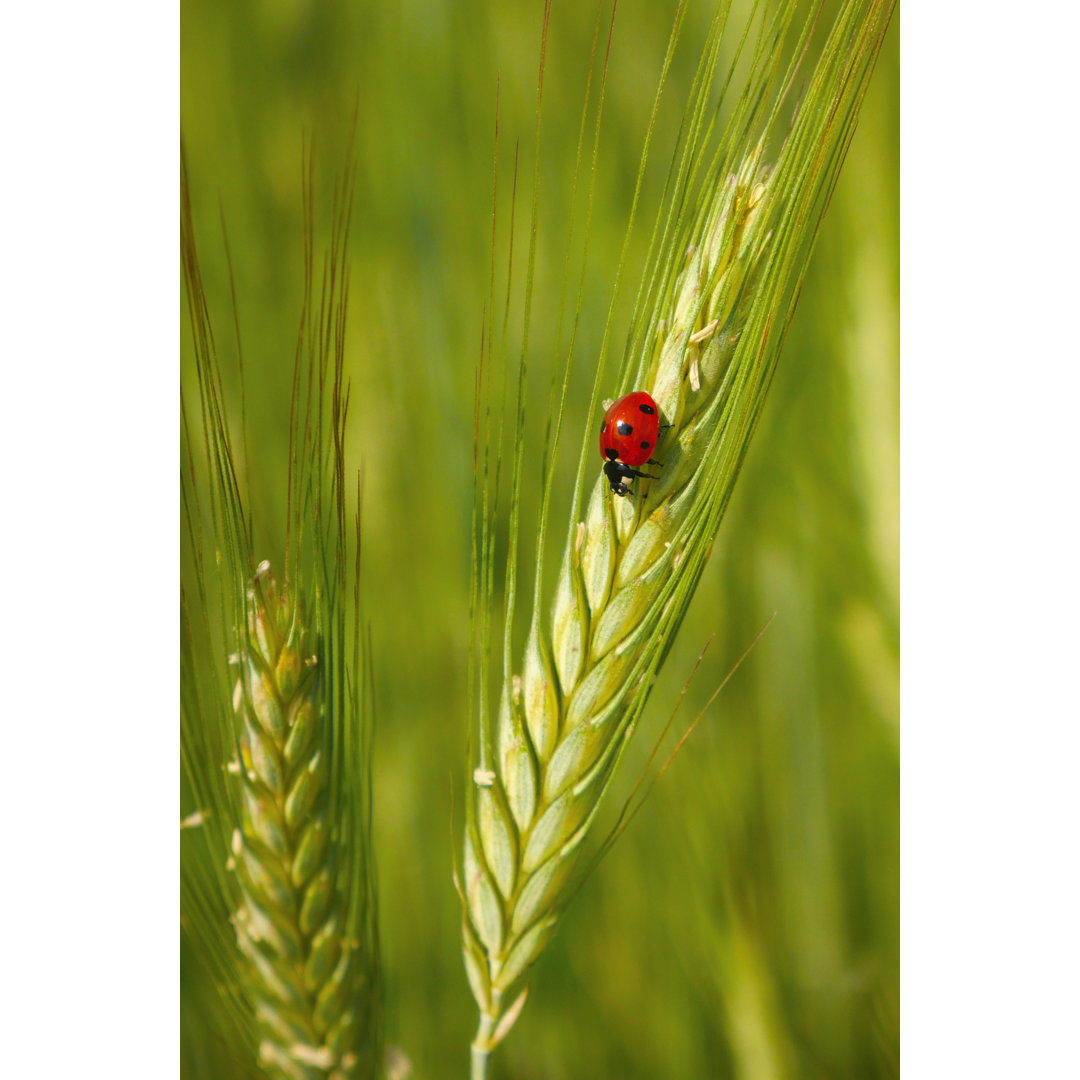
<point x="651" y="462"/>
<point x="643" y="475"/>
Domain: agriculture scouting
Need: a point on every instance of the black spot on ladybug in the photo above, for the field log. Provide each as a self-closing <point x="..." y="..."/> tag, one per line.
<point x="645" y="444"/>
<point x="646" y="409"/>
<point x="612" y="453"/>
<point x="624" y="428"/>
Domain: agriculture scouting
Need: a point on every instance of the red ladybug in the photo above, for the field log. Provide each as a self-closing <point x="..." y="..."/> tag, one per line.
<point x="627" y="438"/>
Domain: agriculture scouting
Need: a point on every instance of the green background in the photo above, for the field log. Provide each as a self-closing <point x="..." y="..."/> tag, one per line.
<point x="747" y="924"/>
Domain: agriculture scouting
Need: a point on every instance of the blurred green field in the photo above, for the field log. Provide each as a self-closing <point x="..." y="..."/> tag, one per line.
<point x="747" y="925"/>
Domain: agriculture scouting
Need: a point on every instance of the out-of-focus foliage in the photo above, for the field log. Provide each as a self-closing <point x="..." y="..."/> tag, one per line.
<point x="747" y="924"/>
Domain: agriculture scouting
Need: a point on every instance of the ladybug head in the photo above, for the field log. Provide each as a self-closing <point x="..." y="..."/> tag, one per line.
<point x="617" y="474"/>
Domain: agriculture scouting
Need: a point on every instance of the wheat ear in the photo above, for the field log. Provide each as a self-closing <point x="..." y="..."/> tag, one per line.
<point x="562" y="723"/>
<point x="280" y="771"/>
<point x="288" y="853"/>
<point x="704" y="344"/>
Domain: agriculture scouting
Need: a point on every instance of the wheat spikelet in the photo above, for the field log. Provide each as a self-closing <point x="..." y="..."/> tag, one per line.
<point x="562" y="722"/>
<point x="305" y="974"/>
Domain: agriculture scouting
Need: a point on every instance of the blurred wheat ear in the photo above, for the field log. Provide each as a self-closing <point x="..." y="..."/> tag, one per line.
<point x="277" y="878"/>
<point x="729" y="251"/>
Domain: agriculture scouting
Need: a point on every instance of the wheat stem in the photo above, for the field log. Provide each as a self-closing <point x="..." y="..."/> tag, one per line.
<point x="481" y="1047"/>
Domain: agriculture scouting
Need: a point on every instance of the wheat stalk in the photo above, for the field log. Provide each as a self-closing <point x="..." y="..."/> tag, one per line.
<point x="280" y="766"/>
<point x="706" y="339"/>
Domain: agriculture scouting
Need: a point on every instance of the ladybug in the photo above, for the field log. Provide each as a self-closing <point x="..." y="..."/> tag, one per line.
<point x="627" y="438"/>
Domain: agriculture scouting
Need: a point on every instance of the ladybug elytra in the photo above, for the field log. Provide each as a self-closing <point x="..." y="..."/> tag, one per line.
<point x="627" y="438"/>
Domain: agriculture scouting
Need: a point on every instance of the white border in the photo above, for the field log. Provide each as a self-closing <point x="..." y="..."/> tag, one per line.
<point x="990" y="540"/>
<point x="90" y="544"/>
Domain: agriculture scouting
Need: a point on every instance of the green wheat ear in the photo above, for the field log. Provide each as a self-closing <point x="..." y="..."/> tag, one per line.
<point x="279" y="897"/>
<point x="731" y="250"/>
